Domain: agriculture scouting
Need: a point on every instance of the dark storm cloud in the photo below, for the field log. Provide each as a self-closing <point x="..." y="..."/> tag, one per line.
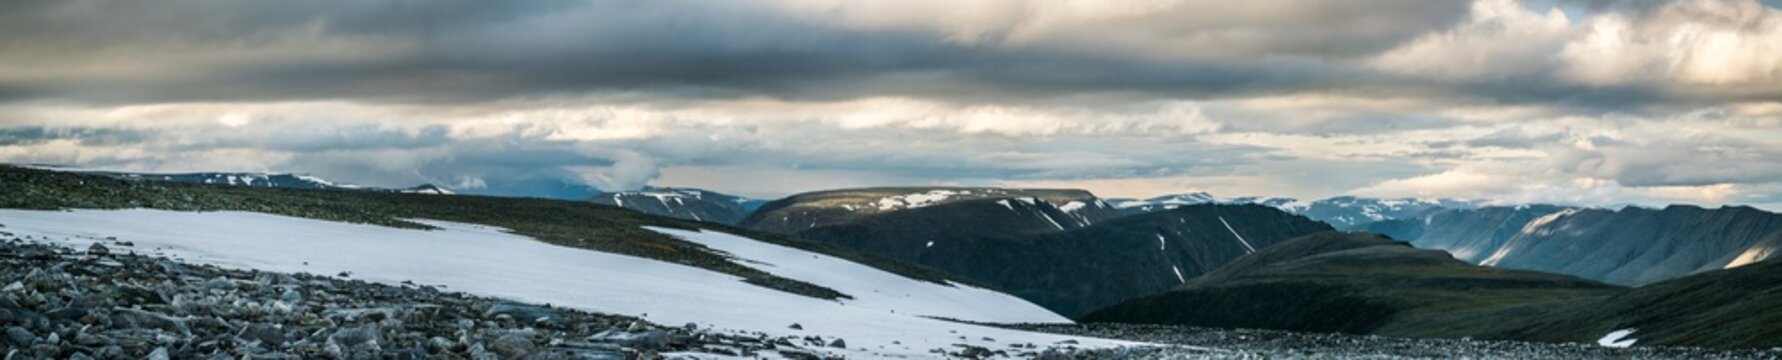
<point x="453" y="51"/>
<point x="28" y="135"/>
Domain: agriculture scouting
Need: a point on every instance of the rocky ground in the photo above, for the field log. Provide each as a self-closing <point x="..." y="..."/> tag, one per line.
<point x="106" y="303"/>
<point x="1200" y="343"/>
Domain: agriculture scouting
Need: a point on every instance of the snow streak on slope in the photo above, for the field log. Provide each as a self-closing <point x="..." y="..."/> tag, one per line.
<point x="1251" y="249"/>
<point x="487" y="261"/>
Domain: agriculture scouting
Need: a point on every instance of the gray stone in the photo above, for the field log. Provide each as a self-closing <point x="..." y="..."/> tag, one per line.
<point x="98" y="250"/>
<point x="20" y="337"/>
<point x="266" y="334"/>
<point x="650" y="339"/>
<point x="524" y="313"/>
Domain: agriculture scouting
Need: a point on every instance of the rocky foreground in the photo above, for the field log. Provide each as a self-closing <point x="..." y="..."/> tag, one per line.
<point x="1209" y="343"/>
<point x="106" y="303"/>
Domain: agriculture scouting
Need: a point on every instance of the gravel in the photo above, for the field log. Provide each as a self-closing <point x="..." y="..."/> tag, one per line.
<point x="106" y="302"/>
<point x="1213" y="343"/>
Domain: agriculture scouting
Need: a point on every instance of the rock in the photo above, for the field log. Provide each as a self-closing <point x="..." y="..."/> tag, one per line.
<point x="98" y="250"/>
<point x="145" y="319"/>
<point x="291" y="297"/>
<point x="838" y="343"/>
<point x="651" y="339"/>
<point x="523" y="312"/>
<point x="66" y="314"/>
<point x="220" y="283"/>
<point x="360" y="338"/>
<point x="266" y="334"/>
<point x="513" y="346"/>
<point x="20" y="337"/>
<point x="796" y="326"/>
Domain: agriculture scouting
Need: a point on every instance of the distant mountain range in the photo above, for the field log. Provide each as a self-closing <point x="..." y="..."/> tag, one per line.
<point x="269" y="180"/>
<point x="1630" y="246"/>
<point x="684" y="203"/>
<point x="1343" y="212"/>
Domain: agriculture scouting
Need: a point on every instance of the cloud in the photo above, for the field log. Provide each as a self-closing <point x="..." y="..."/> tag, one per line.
<point x="1586" y="101"/>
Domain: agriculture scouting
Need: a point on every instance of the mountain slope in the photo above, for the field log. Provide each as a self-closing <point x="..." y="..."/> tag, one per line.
<point x="1728" y="308"/>
<point x="796" y="213"/>
<point x="1630" y="246"/>
<point x="1343" y="282"/>
<point x="1470" y="235"/>
<point x="1016" y="246"/>
<point x="689" y="204"/>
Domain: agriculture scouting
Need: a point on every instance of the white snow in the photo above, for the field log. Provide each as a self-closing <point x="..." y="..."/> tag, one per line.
<point x="916" y="200"/>
<point x="1049" y="219"/>
<point x="1240" y="238"/>
<point x="1178" y="271"/>
<point x="1005" y="203"/>
<point x="490" y="262"/>
<point x="1159" y="241"/>
<point x="1072" y="206"/>
<point x="1617" y="339"/>
<point x="316" y="180"/>
<point x="930" y="244"/>
<point x="1751" y="255"/>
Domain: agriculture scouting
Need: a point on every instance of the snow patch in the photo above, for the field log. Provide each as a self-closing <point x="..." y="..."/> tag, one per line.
<point x="916" y="200"/>
<point x="489" y="261"/>
<point x="1752" y="255"/>
<point x="1617" y="339"/>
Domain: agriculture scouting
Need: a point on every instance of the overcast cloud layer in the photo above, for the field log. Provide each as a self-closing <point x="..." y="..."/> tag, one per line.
<point x="1578" y="102"/>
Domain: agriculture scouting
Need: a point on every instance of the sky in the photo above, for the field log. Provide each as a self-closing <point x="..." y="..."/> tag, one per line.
<point x="1557" y="101"/>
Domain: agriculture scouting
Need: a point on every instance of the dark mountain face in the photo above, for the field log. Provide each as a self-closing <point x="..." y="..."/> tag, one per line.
<point x="1025" y="248"/>
<point x="690" y="204"/>
<point x="798" y="213"/>
<point x="1343" y="282"/>
<point x="1631" y="246"/>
